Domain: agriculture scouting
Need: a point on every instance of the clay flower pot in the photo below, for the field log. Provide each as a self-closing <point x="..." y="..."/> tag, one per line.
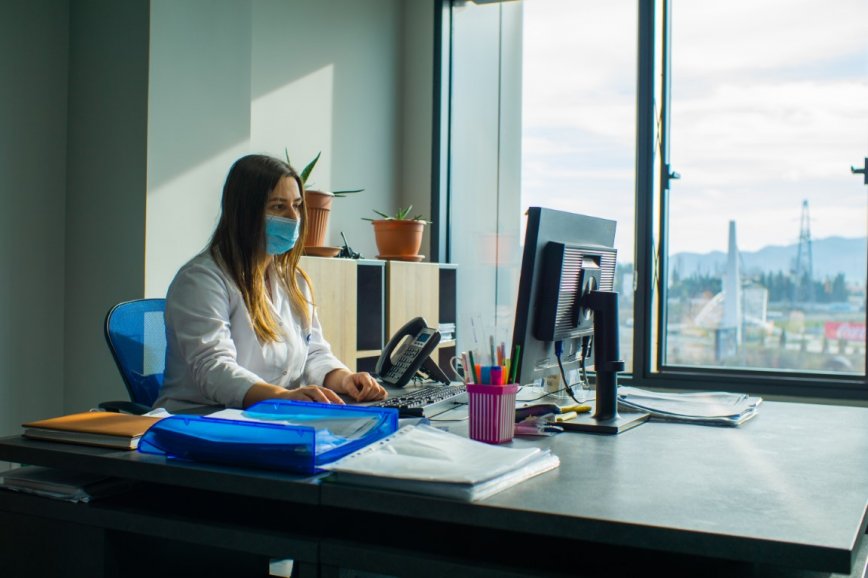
<point x="319" y="205"/>
<point x="398" y="238"/>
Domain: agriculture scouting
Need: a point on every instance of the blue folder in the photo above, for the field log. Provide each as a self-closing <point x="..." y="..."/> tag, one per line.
<point x="303" y="445"/>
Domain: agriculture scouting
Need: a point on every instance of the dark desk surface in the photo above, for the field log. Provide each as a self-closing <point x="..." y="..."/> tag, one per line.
<point x="787" y="488"/>
<point x="157" y="469"/>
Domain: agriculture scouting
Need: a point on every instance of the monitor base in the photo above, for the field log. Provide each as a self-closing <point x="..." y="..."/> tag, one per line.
<point x="618" y="424"/>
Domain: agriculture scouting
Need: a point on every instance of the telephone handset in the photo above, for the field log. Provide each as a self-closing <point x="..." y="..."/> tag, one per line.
<point x="414" y="354"/>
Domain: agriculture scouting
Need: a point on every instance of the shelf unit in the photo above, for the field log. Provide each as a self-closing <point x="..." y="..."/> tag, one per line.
<point x="350" y="298"/>
<point x="361" y="303"/>
<point x="426" y="289"/>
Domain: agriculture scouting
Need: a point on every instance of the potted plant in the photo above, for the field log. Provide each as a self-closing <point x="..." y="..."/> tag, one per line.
<point x="318" y="207"/>
<point x="399" y="236"/>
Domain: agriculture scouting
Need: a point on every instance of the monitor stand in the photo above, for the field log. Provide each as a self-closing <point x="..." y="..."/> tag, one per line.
<point x="606" y="419"/>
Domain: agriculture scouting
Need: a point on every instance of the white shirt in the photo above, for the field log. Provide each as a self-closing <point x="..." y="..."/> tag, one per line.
<point x="213" y="353"/>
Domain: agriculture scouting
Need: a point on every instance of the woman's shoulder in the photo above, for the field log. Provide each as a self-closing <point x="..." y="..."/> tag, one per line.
<point x="202" y="268"/>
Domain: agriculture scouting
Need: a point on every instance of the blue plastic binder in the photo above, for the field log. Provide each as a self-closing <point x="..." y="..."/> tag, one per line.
<point x="295" y="436"/>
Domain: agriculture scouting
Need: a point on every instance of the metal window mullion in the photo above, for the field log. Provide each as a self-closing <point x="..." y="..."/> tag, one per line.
<point x="643" y="273"/>
<point x="441" y="134"/>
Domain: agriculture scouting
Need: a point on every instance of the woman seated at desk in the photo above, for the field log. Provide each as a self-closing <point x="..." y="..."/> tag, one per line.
<point x="240" y="322"/>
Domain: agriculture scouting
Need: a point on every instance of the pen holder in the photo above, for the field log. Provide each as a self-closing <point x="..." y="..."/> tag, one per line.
<point x="492" y="412"/>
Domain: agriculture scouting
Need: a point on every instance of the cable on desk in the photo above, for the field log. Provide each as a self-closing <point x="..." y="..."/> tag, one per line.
<point x="559" y="349"/>
<point x="548" y="394"/>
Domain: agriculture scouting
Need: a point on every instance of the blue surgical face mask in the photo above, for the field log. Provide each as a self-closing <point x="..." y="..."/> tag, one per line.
<point x="280" y="234"/>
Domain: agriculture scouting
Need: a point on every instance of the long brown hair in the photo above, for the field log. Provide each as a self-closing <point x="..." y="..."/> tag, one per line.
<point x="238" y="243"/>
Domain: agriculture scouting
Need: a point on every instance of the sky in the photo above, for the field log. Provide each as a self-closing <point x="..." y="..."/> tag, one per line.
<point x="769" y="108"/>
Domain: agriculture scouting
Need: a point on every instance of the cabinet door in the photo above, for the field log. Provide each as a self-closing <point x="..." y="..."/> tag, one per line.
<point x="334" y="285"/>
<point x="414" y="290"/>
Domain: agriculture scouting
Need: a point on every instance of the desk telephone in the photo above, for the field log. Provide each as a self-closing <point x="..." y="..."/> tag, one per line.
<point x="413" y="354"/>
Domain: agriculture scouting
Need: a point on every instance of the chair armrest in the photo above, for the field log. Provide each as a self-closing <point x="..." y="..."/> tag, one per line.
<point x="124" y="407"/>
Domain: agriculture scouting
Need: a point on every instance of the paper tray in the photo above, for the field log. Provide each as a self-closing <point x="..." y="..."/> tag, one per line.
<point x="256" y="444"/>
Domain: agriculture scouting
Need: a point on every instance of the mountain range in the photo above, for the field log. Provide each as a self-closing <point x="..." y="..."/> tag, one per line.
<point x="831" y="256"/>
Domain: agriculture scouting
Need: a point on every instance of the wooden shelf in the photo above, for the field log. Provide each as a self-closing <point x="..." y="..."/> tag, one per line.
<point x="361" y="303"/>
<point x="368" y="353"/>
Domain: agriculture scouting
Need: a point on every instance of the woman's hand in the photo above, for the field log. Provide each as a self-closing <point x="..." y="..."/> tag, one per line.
<point x="261" y="391"/>
<point x="358" y="386"/>
<point x="312" y="393"/>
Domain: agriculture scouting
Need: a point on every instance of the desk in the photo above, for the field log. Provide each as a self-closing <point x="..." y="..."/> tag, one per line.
<point x="786" y="491"/>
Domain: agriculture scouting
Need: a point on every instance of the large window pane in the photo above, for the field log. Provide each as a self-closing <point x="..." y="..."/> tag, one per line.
<point x="542" y="113"/>
<point x="578" y="121"/>
<point x="767" y="227"/>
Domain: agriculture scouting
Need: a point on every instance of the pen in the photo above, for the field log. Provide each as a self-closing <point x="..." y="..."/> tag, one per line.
<point x="485" y="375"/>
<point x="578" y="408"/>
<point x="491" y="348"/>
<point x="514" y="364"/>
<point x="496" y="375"/>
<point x="472" y="367"/>
<point x="565" y="416"/>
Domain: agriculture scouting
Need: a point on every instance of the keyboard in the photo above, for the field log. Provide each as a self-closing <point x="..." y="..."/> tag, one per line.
<point x="427" y="401"/>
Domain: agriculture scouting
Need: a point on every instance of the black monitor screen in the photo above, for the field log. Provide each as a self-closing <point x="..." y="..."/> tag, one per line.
<point x="566" y="256"/>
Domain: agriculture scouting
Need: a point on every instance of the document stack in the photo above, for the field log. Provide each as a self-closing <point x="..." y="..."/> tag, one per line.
<point x="95" y="428"/>
<point x="447" y="331"/>
<point x="63" y="485"/>
<point x="706" y="408"/>
<point x="425" y="460"/>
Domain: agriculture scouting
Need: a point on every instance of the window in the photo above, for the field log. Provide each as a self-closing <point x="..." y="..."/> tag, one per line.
<point x="725" y="163"/>
<point x="766" y="252"/>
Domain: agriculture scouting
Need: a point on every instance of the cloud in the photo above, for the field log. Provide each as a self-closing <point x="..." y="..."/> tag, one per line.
<point x="769" y="107"/>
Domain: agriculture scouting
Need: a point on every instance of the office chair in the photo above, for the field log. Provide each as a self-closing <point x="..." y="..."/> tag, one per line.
<point x="135" y="332"/>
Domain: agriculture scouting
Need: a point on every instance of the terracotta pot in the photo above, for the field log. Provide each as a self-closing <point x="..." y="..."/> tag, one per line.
<point x="398" y="238"/>
<point x="319" y="205"/>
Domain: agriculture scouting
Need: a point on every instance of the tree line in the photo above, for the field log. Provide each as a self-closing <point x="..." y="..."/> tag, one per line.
<point x="781" y="286"/>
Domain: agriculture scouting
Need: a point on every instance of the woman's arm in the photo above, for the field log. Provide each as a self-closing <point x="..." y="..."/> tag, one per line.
<point x="198" y="324"/>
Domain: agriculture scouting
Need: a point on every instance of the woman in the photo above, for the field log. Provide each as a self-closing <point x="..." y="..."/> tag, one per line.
<point x="240" y="324"/>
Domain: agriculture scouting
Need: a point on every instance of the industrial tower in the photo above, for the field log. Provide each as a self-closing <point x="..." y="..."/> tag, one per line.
<point x="803" y="269"/>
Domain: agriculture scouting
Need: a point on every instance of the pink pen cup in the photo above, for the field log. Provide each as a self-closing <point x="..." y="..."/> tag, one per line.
<point x="492" y="412"/>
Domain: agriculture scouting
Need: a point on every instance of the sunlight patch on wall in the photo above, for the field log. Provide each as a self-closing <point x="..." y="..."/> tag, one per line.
<point x="298" y="117"/>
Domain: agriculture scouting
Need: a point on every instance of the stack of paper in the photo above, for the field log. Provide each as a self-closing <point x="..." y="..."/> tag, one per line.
<point x="423" y="459"/>
<point x="62" y="484"/>
<point x="709" y="408"/>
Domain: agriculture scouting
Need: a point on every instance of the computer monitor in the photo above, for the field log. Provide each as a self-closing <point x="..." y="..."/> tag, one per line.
<point x="566" y="317"/>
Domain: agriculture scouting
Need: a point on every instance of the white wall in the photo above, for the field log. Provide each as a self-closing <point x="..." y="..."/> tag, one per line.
<point x="198" y="125"/>
<point x="417" y="101"/>
<point x="148" y="102"/>
<point x="106" y="185"/>
<point x="327" y="77"/>
<point x="351" y="79"/>
<point x="33" y="65"/>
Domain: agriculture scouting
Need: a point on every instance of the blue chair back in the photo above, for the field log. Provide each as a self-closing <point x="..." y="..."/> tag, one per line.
<point x="136" y="335"/>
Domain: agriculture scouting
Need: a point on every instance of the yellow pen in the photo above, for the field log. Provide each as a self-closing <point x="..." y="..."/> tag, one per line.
<point x="566" y="416"/>
<point x="580" y="408"/>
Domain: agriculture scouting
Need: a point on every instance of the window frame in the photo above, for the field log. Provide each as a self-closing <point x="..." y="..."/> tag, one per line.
<point x="651" y="198"/>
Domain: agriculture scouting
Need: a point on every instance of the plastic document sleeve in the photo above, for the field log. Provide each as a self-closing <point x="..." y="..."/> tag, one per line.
<point x="273" y="434"/>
